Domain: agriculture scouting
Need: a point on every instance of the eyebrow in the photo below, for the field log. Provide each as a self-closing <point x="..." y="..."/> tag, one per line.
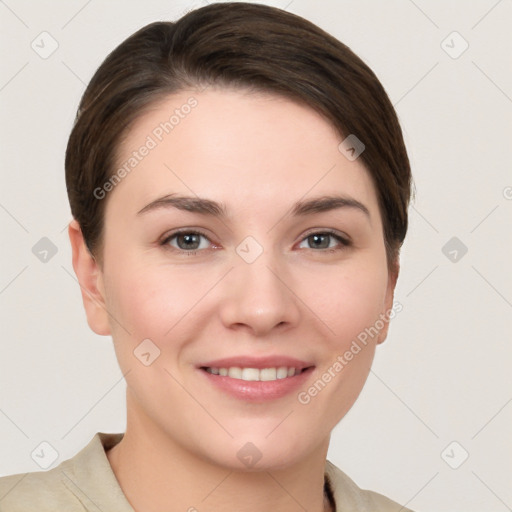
<point x="215" y="209"/>
<point x="327" y="203"/>
<point x="187" y="203"/>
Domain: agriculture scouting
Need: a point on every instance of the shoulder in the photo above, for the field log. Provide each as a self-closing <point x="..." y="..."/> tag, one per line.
<point x="348" y="496"/>
<point x="82" y="483"/>
<point x="42" y="489"/>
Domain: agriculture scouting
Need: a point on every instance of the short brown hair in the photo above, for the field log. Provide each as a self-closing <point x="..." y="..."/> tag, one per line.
<point x="243" y="45"/>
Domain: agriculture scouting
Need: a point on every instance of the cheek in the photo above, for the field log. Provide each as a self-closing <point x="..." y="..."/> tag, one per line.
<point x="148" y="300"/>
<point x="349" y="299"/>
<point x="349" y="304"/>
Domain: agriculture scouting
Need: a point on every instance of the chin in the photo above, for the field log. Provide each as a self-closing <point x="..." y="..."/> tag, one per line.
<point x="255" y="452"/>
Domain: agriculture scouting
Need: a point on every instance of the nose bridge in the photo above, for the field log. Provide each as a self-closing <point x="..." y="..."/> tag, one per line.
<point x="257" y="296"/>
<point x="260" y="279"/>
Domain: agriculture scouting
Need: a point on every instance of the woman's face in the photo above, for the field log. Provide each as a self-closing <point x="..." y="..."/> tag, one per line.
<point x="259" y="276"/>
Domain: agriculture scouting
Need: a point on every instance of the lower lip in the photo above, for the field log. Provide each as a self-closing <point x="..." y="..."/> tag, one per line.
<point x="258" y="391"/>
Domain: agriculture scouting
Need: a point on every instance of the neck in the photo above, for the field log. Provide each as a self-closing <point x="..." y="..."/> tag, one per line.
<point x="156" y="474"/>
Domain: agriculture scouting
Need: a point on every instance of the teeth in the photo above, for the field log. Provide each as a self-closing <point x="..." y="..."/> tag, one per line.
<point x="282" y="372"/>
<point x="255" y="374"/>
<point x="235" y="372"/>
<point x="250" y="374"/>
<point x="268" y="374"/>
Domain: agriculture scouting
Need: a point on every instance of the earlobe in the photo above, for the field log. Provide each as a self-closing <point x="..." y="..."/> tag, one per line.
<point x="389" y="301"/>
<point x="90" y="277"/>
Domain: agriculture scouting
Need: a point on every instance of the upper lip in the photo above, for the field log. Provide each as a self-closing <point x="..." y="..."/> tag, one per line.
<point x="257" y="362"/>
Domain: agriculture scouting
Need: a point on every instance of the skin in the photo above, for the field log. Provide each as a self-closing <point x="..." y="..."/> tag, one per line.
<point x="257" y="154"/>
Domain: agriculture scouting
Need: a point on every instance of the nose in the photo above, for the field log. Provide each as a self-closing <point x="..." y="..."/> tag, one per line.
<point x="259" y="298"/>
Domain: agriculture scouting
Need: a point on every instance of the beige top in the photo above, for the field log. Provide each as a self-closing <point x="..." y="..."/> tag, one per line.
<point x="86" y="483"/>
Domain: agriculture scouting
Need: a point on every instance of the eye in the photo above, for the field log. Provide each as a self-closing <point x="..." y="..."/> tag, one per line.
<point x="324" y="240"/>
<point x="187" y="241"/>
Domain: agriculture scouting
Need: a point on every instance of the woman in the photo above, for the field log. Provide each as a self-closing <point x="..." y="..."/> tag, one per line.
<point x="244" y="319"/>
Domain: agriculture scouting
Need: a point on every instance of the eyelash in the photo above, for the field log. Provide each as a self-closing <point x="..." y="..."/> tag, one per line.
<point x="344" y="242"/>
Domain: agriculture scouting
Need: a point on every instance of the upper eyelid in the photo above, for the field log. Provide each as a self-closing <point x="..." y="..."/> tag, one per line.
<point x="166" y="238"/>
<point x="185" y="231"/>
<point x="343" y="238"/>
<point x="326" y="231"/>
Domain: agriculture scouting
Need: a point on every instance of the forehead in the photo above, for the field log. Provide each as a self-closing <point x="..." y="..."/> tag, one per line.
<point x="244" y="149"/>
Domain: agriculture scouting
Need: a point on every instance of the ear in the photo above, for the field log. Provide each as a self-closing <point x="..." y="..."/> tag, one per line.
<point x="90" y="278"/>
<point x="388" y="302"/>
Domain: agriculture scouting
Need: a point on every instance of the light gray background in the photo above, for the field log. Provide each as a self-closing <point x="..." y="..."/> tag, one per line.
<point x="444" y="373"/>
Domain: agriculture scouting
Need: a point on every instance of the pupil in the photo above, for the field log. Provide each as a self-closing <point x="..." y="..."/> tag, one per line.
<point x="191" y="241"/>
<point x="318" y="239"/>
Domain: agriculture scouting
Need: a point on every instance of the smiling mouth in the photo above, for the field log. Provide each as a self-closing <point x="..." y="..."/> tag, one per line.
<point x="256" y="374"/>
